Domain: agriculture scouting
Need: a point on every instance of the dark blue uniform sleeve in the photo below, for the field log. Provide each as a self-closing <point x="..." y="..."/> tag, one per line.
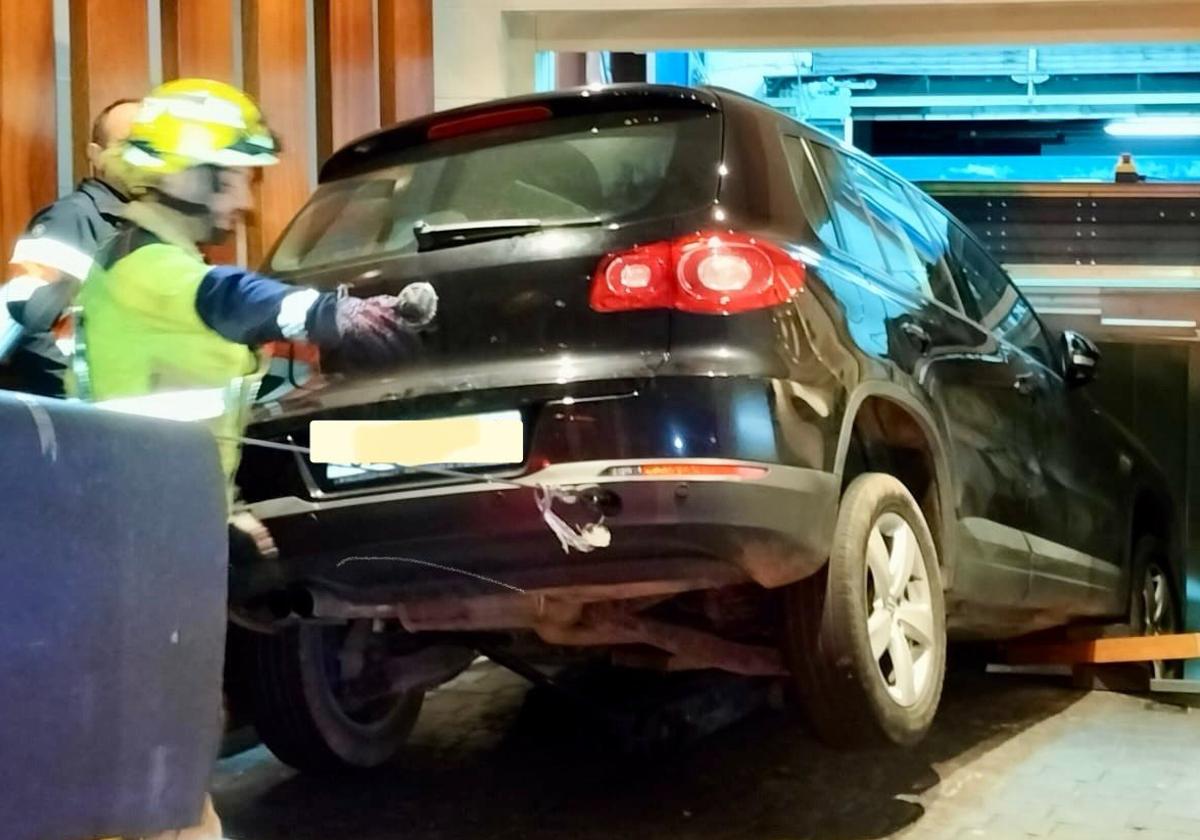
<point x="66" y="220"/>
<point x="249" y="308"/>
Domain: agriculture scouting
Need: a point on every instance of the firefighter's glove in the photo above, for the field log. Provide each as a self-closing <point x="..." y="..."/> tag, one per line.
<point x="418" y="305"/>
<point x="372" y="330"/>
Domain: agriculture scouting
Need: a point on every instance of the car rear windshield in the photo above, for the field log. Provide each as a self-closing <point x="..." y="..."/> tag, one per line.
<point x="601" y="168"/>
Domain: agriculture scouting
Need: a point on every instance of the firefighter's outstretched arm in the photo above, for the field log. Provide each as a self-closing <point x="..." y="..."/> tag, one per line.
<point x="250" y="308"/>
<point x="179" y="292"/>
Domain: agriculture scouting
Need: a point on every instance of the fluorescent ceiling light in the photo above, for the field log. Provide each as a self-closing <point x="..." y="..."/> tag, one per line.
<point x="1148" y="322"/>
<point x="1155" y="127"/>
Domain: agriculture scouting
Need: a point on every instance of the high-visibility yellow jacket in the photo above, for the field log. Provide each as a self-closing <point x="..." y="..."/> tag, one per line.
<point x="165" y="334"/>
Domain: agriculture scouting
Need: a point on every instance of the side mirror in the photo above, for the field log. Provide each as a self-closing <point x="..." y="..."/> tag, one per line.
<point x="1080" y="358"/>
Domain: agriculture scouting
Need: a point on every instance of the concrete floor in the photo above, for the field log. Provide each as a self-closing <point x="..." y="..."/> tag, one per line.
<point x="1009" y="757"/>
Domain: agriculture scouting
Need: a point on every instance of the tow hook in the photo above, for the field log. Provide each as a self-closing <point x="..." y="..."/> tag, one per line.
<point x="600" y="499"/>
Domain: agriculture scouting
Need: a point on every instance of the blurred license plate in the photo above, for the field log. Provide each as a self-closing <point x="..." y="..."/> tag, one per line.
<point x="365" y="450"/>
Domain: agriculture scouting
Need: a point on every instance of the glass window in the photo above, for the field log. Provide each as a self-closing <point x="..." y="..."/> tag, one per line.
<point x="808" y="191"/>
<point x="932" y="248"/>
<point x="858" y="238"/>
<point x="618" y="166"/>
<point x="895" y="224"/>
<point x="986" y="290"/>
<point x="991" y="298"/>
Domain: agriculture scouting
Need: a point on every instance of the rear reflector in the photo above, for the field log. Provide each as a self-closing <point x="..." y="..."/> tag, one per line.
<point x="710" y="273"/>
<point x="488" y="120"/>
<point x="683" y="469"/>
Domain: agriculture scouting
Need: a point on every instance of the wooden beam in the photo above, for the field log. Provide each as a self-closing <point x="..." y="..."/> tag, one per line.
<point x="198" y="39"/>
<point x="405" y="59"/>
<point x="348" y="91"/>
<point x="824" y="24"/>
<point x="28" y="173"/>
<point x="1099" y="651"/>
<point x="109" y="60"/>
<point x="275" y="44"/>
<point x="170" y="38"/>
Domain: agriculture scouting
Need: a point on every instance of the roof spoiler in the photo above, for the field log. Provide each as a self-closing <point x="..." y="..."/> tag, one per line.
<point x="361" y="153"/>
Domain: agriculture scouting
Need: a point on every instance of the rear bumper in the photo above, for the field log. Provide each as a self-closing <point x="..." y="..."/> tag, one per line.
<point x="478" y="539"/>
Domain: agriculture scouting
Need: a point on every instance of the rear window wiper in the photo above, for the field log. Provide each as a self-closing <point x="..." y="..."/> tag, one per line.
<point x="434" y="237"/>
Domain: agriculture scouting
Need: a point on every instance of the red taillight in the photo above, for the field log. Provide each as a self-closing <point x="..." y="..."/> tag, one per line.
<point x="458" y="126"/>
<point x="714" y="273"/>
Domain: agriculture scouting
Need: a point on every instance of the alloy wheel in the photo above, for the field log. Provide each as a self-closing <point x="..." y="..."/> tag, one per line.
<point x="1158" y="612"/>
<point x="900" y="617"/>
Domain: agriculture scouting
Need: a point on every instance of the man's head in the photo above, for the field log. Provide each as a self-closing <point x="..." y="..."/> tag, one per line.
<point x="193" y="147"/>
<point x="111" y="128"/>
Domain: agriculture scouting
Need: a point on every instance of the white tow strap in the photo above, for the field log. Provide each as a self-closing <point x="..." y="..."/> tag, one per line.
<point x="582" y="538"/>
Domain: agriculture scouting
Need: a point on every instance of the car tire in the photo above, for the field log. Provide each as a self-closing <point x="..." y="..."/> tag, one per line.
<point x="297" y="711"/>
<point x="1153" y="606"/>
<point x="851" y="696"/>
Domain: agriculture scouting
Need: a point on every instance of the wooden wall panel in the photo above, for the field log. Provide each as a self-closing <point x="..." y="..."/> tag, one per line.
<point x="275" y="43"/>
<point x="110" y="59"/>
<point x="198" y="39"/>
<point x="348" y="99"/>
<point x="198" y="42"/>
<point x="405" y="59"/>
<point x="28" y="173"/>
<point x="374" y="60"/>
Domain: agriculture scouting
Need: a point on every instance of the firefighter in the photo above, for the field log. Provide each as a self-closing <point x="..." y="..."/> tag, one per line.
<point x="54" y="255"/>
<point x="164" y="333"/>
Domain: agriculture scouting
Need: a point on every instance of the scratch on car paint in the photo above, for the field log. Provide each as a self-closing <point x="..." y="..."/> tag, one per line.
<point x="45" y="426"/>
<point x="431" y="565"/>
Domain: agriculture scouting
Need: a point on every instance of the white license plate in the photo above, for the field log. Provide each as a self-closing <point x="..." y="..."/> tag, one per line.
<point x="360" y="450"/>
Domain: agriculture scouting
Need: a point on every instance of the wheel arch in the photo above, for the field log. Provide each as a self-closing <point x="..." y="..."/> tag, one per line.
<point x="889" y="422"/>
<point x="1150" y="515"/>
<point x="1153" y="513"/>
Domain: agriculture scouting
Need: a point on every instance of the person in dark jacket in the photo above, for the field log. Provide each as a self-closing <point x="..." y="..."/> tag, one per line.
<point x="53" y="257"/>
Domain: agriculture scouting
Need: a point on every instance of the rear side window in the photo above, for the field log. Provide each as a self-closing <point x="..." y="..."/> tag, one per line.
<point x="605" y="167"/>
<point x="987" y="293"/>
<point x="933" y="249"/>
<point x="895" y="223"/>
<point x="991" y="298"/>
<point x="854" y="226"/>
<point x="808" y="191"/>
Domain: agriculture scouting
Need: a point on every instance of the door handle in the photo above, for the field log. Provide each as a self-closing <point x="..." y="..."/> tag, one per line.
<point x="1027" y="384"/>
<point x="917" y="334"/>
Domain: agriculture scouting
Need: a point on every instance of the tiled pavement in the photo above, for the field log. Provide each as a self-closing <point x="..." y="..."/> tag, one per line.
<point x="1010" y="757"/>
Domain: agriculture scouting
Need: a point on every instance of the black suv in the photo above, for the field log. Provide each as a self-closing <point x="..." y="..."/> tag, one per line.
<point x="794" y="418"/>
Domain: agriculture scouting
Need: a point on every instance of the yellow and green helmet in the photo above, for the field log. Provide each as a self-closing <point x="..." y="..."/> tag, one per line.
<point x="196" y="122"/>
